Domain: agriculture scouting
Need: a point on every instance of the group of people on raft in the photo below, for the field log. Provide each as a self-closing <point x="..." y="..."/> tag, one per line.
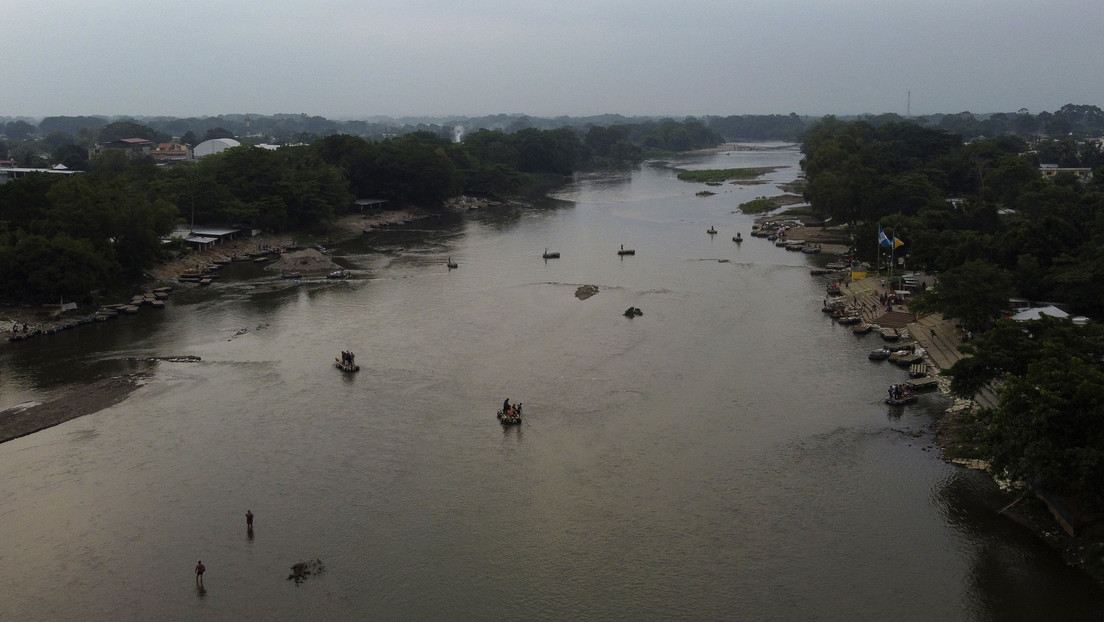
<point x="509" y="410"/>
<point x="347" y="358"/>
<point x="898" y="392"/>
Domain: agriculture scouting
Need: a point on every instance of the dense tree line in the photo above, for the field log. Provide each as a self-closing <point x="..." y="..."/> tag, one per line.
<point x="981" y="215"/>
<point x="68" y="236"/>
<point x="954" y="202"/>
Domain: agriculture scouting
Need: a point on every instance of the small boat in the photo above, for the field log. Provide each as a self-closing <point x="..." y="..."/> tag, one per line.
<point x="290" y="274"/>
<point x="337" y="274"/>
<point x="850" y="319"/>
<point x="903" y="395"/>
<point x="737" y="239"/>
<point x="550" y="254"/>
<point x="880" y="354"/>
<point x="906" y="358"/>
<point x="711" y="230"/>
<point x="510" y="417"/>
<point x="890" y="334"/>
<point x="347" y="362"/>
<point x="451" y="264"/>
<point x="862" y="328"/>
<point x="626" y="251"/>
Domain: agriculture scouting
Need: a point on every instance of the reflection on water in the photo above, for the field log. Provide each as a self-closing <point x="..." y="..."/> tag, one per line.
<point x="726" y="455"/>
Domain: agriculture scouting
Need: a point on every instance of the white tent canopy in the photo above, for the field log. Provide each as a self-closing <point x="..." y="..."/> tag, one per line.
<point x="1034" y="314"/>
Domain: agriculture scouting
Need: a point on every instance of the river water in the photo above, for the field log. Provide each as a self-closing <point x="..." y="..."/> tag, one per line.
<point x="724" y="456"/>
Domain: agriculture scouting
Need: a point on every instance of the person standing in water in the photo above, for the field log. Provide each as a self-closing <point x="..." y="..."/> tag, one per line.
<point x="199" y="570"/>
<point x="249" y="520"/>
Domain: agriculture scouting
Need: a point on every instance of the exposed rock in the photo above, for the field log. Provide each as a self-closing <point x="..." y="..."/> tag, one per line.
<point x="586" y="291"/>
<point x="302" y="570"/>
<point x="305" y="261"/>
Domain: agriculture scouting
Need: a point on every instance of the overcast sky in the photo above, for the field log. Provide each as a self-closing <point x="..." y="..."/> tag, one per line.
<point x="360" y="58"/>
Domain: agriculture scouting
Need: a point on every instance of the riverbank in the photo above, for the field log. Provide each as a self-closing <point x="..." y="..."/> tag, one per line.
<point x="953" y="433"/>
<point x="86" y="399"/>
<point x="31" y="319"/>
<point x="23" y="419"/>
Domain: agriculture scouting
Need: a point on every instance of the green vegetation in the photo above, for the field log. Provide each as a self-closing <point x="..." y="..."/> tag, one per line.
<point x="757" y="206"/>
<point x="69" y="236"/>
<point x="722" y="175"/>
<point x="1009" y="232"/>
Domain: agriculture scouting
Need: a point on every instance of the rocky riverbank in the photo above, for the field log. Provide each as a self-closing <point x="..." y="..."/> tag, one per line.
<point x="952" y="433"/>
<point x="308" y="261"/>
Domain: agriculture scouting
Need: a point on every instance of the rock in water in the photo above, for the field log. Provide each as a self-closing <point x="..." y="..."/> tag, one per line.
<point x="302" y="570"/>
<point x="586" y="291"/>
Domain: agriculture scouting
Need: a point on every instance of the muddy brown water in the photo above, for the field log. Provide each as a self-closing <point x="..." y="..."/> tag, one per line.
<point x="725" y="455"/>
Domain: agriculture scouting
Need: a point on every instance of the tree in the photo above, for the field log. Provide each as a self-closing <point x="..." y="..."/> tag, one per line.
<point x="976" y="292"/>
<point x="19" y="130"/>
<point x="72" y="157"/>
<point x="1048" y="426"/>
<point x="44" y="269"/>
<point x="129" y="129"/>
<point x="217" y="132"/>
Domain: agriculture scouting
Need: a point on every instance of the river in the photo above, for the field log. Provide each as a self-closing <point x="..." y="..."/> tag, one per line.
<point x="724" y="456"/>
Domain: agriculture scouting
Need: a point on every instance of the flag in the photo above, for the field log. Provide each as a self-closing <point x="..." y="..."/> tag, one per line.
<point x="882" y="239"/>
<point x="897" y="242"/>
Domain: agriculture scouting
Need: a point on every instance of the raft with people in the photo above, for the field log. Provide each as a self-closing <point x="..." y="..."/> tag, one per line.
<point x="899" y="395"/>
<point x="347" y="362"/>
<point x="510" y="414"/>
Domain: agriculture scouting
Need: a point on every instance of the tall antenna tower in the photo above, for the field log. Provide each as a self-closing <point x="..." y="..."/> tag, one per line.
<point x="908" y="104"/>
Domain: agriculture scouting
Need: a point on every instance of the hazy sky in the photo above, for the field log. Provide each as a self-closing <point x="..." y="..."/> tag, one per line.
<point x="359" y="58"/>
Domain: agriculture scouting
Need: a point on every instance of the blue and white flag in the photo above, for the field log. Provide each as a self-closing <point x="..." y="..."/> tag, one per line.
<point x="882" y="239"/>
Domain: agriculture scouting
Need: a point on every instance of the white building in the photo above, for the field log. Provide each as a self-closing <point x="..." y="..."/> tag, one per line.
<point x="214" y="145"/>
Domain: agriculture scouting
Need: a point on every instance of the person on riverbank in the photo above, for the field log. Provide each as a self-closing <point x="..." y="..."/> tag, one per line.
<point x="199" y="570"/>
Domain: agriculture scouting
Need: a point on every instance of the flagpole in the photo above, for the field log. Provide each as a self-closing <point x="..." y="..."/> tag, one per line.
<point x="892" y="249"/>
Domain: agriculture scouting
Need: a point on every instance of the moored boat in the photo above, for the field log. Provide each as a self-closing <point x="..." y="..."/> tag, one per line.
<point x="880" y="354"/>
<point x="737" y="239"/>
<point x="550" y="254"/>
<point x="711" y="230"/>
<point x="337" y="274"/>
<point x="890" y="334"/>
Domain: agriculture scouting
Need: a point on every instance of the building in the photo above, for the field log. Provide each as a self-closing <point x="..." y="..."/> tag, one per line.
<point x="1050" y="171"/>
<point x="8" y="173"/>
<point x="171" y="152"/>
<point x="135" y="147"/>
<point x="214" y="145"/>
